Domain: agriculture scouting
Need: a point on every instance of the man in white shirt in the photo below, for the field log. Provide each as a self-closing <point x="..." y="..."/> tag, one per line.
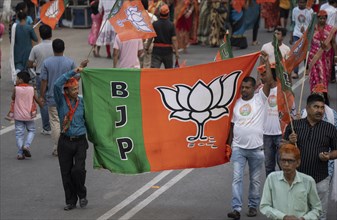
<point x="246" y="139"/>
<point x="36" y="57"/>
<point x="269" y="48"/>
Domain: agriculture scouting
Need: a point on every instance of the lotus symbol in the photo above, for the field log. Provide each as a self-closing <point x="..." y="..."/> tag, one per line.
<point x="136" y="18"/>
<point x="201" y="102"/>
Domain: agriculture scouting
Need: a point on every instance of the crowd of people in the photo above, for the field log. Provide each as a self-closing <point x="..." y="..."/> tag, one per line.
<point x="304" y="152"/>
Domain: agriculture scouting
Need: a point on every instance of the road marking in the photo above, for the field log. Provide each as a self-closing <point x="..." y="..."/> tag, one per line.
<point x="134" y="196"/>
<point x="12" y="127"/>
<point x="154" y="195"/>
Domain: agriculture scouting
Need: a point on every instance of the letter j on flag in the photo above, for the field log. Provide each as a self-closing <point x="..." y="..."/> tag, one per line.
<point x="152" y="120"/>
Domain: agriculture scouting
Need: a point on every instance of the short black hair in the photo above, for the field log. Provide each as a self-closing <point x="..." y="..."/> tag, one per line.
<point x="250" y="79"/>
<point x="58" y="46"/>
<point x="20" y="7"/>
<point x="282" y="30"/>
<point x="145" y="4"/>
<point x="45" y="32"/>
<point x="24" y="75"/>
<point x="315" y="98"/>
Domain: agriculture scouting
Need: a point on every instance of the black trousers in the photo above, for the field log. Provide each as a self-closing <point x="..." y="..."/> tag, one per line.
<point x="72" y="154"/>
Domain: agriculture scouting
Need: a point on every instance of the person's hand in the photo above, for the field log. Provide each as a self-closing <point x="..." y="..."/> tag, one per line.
<point x="293" y="138"/>
<point x="84" y="63"/>
<point x="42" y="100"/>
<point x="324" y="156"/>
<point x="264" y="56"/>
<point x="177" y="55"/>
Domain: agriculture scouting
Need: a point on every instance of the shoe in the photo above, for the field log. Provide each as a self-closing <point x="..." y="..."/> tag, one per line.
<point x="26" y="152"/>
<point x="252" y="212"/>
<point x="83" y="202"/>
<point x="45" y="132"/>
<point x="234" y="214"/>
<point x="69" y="207"/>
<point x="20" y="157"/>
<point x="55" y="154"/>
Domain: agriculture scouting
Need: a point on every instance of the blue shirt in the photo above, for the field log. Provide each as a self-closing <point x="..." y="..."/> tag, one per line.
<point x="52" y="68"/>
<point x="77" y="125"/>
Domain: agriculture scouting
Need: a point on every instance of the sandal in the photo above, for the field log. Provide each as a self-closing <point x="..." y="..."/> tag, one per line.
<point x="255" y="43"/>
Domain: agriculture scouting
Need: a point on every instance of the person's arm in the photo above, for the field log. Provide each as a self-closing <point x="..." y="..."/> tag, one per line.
<point x="31" y="58"/>
<point x="13" y="94"/>
<point x="115" y="57"/>
<point x="38" y="101"/>
<point x="267" y="77"/>
<point x="175" y="46"/>
<point x="314" y="202"/>
<point x="147" y="45"/>
<point x="230" y="135"/>
<point x="59" y="83"/>
<point x="33" y="35"/>
<point x="334" y="46"/>
<point x="266" y="204"/>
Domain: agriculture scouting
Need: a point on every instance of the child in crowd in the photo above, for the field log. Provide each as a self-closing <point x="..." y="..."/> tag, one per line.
<point x="96" y="18"/>
<point x="24" y="96"/>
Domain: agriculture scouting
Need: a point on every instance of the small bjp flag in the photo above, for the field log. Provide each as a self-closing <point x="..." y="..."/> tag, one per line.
<point x="51" y="12"/>
<point x="132" y="21"/>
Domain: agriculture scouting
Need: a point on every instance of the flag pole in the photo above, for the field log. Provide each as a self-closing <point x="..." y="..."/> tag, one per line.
<point x="303" y="79"/>
<point x="100" y="31"/>
<point x="291" y="120"/>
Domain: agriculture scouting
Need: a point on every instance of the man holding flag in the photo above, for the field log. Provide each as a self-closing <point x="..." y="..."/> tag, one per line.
<point x="246" y="139"/>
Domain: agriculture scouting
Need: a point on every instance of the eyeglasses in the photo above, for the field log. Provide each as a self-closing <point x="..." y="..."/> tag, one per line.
<point x="289" y="161"/>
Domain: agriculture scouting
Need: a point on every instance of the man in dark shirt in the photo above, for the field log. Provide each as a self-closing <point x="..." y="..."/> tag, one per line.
<point x="165" y="42"/>
<point x="317" y="141"/>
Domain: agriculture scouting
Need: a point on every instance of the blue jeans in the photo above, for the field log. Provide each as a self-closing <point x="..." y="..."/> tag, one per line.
<point x="44" y="110"/>
<point x="271" y="145"/>
<point x="295" y="38"/>
<point x="20" y="127"/>
<point x="255" y="158"/>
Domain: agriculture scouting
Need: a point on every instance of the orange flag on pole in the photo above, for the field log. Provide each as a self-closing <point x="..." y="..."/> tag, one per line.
<point x="51" y="12"/>
<point x="132" y="21"/>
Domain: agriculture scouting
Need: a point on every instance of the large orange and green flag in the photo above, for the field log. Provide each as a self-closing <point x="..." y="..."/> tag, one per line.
<point x="35" y="2"/>
<point x="145" y="120"/>
<point x="51" y="12"/>
<point x="132" y="21"/>
<point x="298" y="52"/>
<point x="225" y="50"/>
<point x="285" y="95"/>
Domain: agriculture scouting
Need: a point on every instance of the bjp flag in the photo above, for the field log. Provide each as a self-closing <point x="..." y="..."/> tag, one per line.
<point x="152" y="119"/>
<point x="51" y="12"/>
<point x="132" y="21"/>
<point x="35" y="2"/>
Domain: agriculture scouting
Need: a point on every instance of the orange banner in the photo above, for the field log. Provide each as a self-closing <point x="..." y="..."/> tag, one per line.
<point x="51" y="12"/>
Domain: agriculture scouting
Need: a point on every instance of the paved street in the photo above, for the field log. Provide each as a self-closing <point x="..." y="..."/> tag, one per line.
<point x="32" y="188"/>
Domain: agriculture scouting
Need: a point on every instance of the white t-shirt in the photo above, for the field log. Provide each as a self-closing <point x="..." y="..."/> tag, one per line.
<point x="269" y="49"/>
<point x="248" y="119"/>
<point x="128" y="52"/>
<point x="40" y="52"/>
<point x="332" y="14"/>
<point x="302" y="18"/>
<point x="272" y="123"/>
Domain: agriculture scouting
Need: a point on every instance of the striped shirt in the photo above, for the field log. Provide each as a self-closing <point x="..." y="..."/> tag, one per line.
<point x="312" y="140"/>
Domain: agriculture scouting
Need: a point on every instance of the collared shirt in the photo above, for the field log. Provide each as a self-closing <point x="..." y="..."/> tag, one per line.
<point x="77" y="125"/>
<point x="280" y="199"/>
<point x="52" y="68"/>
<point x="312" y="140"/>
